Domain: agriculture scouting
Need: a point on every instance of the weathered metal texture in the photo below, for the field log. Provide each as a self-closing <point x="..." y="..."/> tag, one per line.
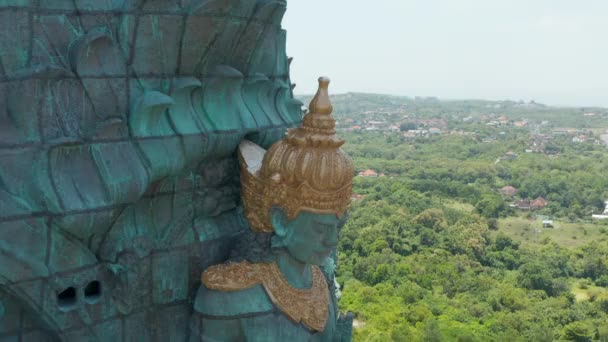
<point x="118" y="184"/>
<point x="295" y="196"/>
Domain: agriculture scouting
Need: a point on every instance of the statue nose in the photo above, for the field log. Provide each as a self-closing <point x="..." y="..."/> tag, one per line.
<point x="331" y="240"/>
<point x="331" y="244"/>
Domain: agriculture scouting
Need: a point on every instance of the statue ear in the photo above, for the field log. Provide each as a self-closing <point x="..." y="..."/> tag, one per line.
<point x="343" y="220"/>
<point x="278" y="219"/>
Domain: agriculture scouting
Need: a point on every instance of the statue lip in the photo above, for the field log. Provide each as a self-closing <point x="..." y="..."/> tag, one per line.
<point x="324" y="252"/>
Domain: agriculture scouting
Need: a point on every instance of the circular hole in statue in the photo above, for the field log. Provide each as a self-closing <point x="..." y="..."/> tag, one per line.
<point x="92" y="292"/>
<point x="66" y="299"/>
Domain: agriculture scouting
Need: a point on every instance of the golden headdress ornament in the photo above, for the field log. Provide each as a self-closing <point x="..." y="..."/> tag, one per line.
<point x="307" y="170"/>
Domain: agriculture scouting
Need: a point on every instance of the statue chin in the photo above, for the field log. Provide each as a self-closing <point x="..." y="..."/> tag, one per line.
<point x="319" y="258"/>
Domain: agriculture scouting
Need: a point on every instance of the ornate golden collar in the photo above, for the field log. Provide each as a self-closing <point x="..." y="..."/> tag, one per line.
<point x="309" y="306"/>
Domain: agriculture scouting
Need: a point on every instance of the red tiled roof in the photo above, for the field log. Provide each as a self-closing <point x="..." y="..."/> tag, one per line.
<point x="368" y="173"/>
<point x="508" y="190"/>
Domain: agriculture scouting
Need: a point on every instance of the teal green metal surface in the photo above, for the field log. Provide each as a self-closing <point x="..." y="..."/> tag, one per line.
<point x="249" y="314"/>
<point x="119" y="184"/>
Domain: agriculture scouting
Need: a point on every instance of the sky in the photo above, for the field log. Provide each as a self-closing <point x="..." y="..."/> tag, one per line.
<point x="551" y="51"/>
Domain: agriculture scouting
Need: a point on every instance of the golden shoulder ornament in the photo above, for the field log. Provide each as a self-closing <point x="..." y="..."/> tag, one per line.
<point x="308" y="306"/>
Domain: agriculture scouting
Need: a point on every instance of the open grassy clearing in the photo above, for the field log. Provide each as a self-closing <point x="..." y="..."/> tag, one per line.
<point x="457" y="205"/>
<point x="565" y="234"/>
<point x="584" y="291"/>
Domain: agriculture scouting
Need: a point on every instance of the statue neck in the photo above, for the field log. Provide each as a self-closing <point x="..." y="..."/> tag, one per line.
<point x="297" y="273"/>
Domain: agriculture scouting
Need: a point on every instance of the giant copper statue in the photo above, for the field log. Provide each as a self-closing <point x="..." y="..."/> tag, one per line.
<point x="298" y="192"/>
<point x="132" y="161"/>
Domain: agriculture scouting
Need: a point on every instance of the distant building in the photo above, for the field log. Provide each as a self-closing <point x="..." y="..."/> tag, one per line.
<point x="579" y="139"/>
<point x="434" y="130"/>
<point x="572" y="131"/>
<point x="378" y="123"/>
<point x="604" y="215"/>
<point x="418" y="132"/>
<point x="356" y="197"/>
<point x="523" y="204"/>
<point x="368" y="173"/>
<point x="509" y="156"/>
<point x="508" y="191"/>
<point x="547" y="224"/>
<point x="528" y="204"/>
<point x="538" y="203"/>
<point x="464" y="133"/>
<point x="409" y="135"/>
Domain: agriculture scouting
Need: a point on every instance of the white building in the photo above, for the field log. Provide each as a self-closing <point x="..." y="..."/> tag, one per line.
<point x="604" y="215"/>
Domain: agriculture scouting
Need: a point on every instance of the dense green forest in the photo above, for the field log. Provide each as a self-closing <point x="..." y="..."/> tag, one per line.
<point x="575" y="182"/>
<point x="432" y="250"/>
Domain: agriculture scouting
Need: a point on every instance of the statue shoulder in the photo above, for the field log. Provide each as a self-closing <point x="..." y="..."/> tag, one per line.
<point x="232" y="290"/>
<point x="232" y="304"/>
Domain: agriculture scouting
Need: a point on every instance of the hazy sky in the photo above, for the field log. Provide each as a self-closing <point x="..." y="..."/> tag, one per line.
<point x="552" y="51"/>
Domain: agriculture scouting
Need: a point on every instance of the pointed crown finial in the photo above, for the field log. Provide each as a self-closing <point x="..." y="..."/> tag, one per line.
<point x="320" y="104"/>
<point x="307" y="170"/>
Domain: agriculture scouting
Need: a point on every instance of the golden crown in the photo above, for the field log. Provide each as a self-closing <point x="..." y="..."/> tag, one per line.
<point x="305" y="171"/>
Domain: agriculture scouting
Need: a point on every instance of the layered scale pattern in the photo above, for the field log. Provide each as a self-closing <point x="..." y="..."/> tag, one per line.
<point x="118" y="181"/>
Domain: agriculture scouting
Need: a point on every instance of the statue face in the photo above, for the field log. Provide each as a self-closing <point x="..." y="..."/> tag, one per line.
<point x="309" y="238"/>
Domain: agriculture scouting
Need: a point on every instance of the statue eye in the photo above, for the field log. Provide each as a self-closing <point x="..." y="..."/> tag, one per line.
<point x="319" y="228"/>
<point x="322" y="227"/>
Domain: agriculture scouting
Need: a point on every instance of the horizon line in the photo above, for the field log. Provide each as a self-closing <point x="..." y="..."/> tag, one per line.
<point x="461" y="99"/>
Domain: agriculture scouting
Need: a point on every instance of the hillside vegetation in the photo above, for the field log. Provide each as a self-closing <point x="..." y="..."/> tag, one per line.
<point x="433" y="251"/>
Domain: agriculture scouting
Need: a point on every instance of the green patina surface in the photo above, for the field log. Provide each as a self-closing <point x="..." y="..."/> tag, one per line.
<point x="249" y="314"/>
<point x="119" y="120"/>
